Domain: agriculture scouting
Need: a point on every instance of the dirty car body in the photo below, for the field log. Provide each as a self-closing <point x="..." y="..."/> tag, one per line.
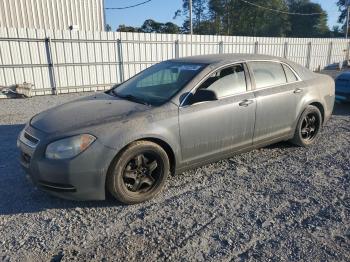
<point x="262" y="107"/>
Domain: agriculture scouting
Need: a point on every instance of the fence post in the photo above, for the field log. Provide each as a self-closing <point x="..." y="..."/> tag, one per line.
<point x="330" y="53"/>
<point x="177" y="50"/>
<point x="256" y="47"/>
<point x="121" y="61"/>
<point x="348" y="54"/>
<point x="309" y="51"/>
<point x="221" y="47"/>
<point x="285" y="51"/>
<point x="51" y="65"/>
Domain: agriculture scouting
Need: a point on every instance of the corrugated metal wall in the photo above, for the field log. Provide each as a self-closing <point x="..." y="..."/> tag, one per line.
<point x="74" y="61"/>
<point x="52" y="14"/>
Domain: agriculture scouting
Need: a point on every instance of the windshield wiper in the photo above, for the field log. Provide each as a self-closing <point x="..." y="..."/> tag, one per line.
<point x="132" y="98"/>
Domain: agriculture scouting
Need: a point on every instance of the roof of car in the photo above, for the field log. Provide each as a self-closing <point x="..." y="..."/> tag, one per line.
<point x="219" y="58"/>
<point x="345" y="75"/>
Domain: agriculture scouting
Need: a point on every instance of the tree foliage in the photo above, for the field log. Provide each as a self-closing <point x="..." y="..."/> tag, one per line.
<point x="200" y="15"/>
<point x="236" y="17"/>
<point x="108" y="28"/>
<point x="308" y="26"/>
<point x="232" y="17"/>
<point x="342" y="4"/>
<point x="152" y="26"/>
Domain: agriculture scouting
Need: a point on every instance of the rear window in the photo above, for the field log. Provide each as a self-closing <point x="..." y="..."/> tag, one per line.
<point x="268" y="74"/>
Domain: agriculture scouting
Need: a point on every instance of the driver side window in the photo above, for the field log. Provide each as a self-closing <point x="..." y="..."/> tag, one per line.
<point x="227" y="81"/>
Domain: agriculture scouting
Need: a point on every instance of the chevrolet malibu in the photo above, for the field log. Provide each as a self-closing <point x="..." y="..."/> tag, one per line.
<point x="173" y="116"/>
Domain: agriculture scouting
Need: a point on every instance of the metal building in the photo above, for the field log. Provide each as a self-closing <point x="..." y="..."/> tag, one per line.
<point x="86" y="15"/>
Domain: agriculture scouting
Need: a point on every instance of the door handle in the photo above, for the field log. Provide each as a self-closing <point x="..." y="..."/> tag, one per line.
<point x="298" y="91"/>
<point x="246" y="102"/>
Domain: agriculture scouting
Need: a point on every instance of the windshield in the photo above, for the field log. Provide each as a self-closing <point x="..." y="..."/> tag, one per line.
<point x="159" y="83"/>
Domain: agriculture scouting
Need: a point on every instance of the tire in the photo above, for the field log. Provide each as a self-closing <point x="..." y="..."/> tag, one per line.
<point x="139" y="173"/>
<point x="308" y="127"/>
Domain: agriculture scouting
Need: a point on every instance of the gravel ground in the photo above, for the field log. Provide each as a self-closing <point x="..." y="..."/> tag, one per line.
<point x="276" y="203"/>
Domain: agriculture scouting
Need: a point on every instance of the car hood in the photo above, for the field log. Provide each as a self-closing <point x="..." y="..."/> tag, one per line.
<point x="86" y="112"/>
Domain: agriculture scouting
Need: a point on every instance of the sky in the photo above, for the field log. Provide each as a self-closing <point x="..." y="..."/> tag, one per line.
<point x="332" y="9"/>
<point x="164" y="10"/>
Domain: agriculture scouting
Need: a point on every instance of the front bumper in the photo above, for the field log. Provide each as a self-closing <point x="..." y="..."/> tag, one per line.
<point x="80" y="178"/>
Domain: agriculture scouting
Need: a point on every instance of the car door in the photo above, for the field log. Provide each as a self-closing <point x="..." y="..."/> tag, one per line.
<point x="277" y="91"/>
<point x="211" y="128"/>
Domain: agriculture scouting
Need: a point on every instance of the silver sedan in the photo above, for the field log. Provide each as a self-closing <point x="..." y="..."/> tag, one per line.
<point x="173" y="116"/>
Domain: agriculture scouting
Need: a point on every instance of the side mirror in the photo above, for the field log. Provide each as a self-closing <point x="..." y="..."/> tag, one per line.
<point x="203" y="95"/>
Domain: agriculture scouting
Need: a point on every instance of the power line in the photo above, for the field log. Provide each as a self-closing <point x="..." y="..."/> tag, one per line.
<point x="126" y="7"/>
<point x="279" y="11"/>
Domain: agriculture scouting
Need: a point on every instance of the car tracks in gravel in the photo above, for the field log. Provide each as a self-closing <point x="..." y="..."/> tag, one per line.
<point x="276" y="203"/>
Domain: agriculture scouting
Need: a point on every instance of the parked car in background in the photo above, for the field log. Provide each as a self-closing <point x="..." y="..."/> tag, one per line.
<point x="342" y="87"/>
<point x="173" y="116"/>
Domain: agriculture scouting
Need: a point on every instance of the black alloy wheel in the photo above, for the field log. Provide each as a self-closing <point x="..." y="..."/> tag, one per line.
<point x="142" y="172"/>
<point x="308" y="127"/>
<point x="138" y="173"/>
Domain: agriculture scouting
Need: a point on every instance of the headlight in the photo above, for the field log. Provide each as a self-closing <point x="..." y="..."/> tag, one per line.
<point x="69" y="147"/>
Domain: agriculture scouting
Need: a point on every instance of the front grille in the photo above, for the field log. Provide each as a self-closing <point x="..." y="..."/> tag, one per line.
<point x="31" y="138"/>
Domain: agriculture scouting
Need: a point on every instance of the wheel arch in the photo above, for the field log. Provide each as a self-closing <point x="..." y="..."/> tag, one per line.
<point x="320" y="107"/>
<point x="315" y="103"/>
<point x="167" y="148"/>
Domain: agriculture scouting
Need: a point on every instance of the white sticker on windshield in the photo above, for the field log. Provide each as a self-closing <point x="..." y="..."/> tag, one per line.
<point x="190" y="67"/>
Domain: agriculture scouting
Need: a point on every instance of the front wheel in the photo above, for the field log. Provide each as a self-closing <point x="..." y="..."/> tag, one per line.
<point x="308" y="127"/>
<point x="139" y="173"/>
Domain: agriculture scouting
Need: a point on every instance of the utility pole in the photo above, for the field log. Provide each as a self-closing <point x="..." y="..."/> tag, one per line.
<point x="347" y="18"/>
<point x="104" y="16"/>
<point x="190" y="9"/>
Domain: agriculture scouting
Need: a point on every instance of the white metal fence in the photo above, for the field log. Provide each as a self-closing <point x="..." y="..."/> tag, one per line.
<point x="75" y="61"/>
<point x="52" y="14"/>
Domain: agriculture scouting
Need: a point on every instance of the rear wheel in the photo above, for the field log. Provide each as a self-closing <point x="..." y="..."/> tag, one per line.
<point x="139" y="173"/>
<point x="308" y="127"/>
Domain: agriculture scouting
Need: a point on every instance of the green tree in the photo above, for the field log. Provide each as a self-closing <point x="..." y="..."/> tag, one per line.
<point x="124" y="28"/>
<point x="307" y="26"/>
<point x="336" y="32"/>
<point x="108" y="28"/>
<point x="151" y="26"/>
<point x="218" y="11"/>
<point x="342" y="4"/>
<point x="234" y="17"/>
<point x="170" y="28"/>
<point x="199" y="10"/>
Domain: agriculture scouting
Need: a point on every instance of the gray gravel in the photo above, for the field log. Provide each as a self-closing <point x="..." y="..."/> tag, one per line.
<point x="276" y="203"/>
